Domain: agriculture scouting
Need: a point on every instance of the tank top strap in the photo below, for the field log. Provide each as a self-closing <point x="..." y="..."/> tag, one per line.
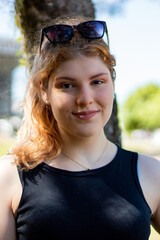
<point x="20" y="173"/>
<point x="131" y="165"/>
<point x="135" y="173"/>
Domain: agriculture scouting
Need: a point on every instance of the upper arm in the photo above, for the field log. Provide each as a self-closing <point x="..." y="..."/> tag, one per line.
<point x="7" y="223"/>
<point x="155" y="221"/>
<point x="7" y="220"/>
<point x="149" y="169"/>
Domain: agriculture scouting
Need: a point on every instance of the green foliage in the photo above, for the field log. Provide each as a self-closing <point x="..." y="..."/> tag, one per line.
<point x="142" y="109"/>
<point x="19" y="53"/>
<point x="22" y="62"/>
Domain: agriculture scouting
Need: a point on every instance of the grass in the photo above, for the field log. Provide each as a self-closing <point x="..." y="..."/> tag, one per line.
<point x="134" y="145"/>
<point x="5" y="144"/>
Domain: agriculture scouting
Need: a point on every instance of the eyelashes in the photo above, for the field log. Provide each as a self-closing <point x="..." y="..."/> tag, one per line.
<point x="98" y="82"/>
<point x="68" y="85"/>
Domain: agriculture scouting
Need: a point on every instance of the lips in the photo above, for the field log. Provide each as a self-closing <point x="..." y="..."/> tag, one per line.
<point x="86" y="115"/>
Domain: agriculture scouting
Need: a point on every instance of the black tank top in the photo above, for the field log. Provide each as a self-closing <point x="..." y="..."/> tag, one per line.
<point x="105" y="203"/>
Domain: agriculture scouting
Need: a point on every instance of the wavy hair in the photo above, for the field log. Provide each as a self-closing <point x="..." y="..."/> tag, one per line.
<point x="38" y="137"/>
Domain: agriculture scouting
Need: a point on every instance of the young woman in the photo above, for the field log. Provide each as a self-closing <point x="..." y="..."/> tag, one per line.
<point x="64" y="179"/>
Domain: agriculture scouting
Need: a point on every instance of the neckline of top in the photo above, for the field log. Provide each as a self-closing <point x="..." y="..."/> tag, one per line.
<point x="82" y="172"/>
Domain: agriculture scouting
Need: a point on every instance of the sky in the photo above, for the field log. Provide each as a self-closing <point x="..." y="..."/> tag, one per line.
<point x="134" y="34"/>
<point x="135" y="42"/>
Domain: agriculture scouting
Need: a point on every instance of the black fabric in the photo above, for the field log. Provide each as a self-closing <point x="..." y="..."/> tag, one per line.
<point x="105" y="203"/>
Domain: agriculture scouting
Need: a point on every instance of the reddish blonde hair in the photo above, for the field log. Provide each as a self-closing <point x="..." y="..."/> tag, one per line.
<point x="38" y="137"/>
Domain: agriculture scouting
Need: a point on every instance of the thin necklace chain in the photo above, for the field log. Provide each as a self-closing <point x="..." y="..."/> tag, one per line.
<point x="82" y="164"/>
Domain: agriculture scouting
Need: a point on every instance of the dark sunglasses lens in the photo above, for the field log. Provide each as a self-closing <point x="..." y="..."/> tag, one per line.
<point x="59" y="33"/>
<point x="91" y="30"/>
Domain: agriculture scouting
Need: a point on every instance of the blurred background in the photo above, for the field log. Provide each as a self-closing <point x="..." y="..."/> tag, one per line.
<point x="134" y="33"/>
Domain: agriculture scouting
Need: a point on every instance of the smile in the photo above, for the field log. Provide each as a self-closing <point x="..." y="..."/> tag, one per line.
<point x="86" y="115"/>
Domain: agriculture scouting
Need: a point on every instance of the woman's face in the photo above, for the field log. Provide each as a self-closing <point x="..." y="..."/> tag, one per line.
<point x="81" y="93"/>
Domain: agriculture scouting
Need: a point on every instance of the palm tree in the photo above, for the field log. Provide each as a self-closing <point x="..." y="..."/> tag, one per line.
<point x="31" y="15"/>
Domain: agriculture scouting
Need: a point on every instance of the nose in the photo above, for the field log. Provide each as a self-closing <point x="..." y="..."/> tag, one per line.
<point x="84" y="96"/>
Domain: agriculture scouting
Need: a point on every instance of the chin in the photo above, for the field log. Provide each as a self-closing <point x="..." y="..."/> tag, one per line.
<point x="88" y="132"/>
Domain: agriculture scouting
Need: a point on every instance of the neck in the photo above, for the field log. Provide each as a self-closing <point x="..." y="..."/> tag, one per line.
<point x="87" y="149"/>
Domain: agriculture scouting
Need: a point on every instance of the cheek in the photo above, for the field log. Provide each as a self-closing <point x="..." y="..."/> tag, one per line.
<point x="60" y="102"/>
<point x="106" y="96"/>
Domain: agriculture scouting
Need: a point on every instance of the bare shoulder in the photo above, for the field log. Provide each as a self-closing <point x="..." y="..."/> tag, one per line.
<point x="149" y="171"/>
<point x="8" y="175"/>
<point x="10" y="184"/>
<point x="10" y="192"/>
<point x="150" y="168"/>
<point x="6" y="159"/>
<point x="7" y="168"/>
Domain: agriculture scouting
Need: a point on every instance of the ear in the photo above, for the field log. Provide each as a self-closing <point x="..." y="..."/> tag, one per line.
<point x="43" y="93"/>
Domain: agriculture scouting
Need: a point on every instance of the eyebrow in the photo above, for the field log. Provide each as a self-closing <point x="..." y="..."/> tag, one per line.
<point x="72" y="79"/>
<point x="99" y="74"/>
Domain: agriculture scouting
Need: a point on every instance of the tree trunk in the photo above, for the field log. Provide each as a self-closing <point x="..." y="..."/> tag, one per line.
<point x="32" y="15"/>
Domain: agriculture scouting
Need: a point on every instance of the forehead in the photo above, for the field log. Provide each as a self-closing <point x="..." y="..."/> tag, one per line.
<point x="81" y="66"/>
<point x="82" y="63"/>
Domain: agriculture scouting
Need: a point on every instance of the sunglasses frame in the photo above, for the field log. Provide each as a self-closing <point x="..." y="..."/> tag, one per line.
<point x="43" y="32"/>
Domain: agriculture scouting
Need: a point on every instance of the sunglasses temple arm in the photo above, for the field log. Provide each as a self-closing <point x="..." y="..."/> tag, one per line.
<point x="107" y="37"/>
<point x="41" y="41"/>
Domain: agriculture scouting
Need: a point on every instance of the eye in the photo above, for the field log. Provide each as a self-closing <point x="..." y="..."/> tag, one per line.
<point x="66" y="85"/>
<point x="97" y="82"/>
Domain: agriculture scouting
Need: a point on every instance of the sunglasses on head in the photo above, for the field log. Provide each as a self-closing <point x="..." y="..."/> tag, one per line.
<point x="63" y="33"/>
